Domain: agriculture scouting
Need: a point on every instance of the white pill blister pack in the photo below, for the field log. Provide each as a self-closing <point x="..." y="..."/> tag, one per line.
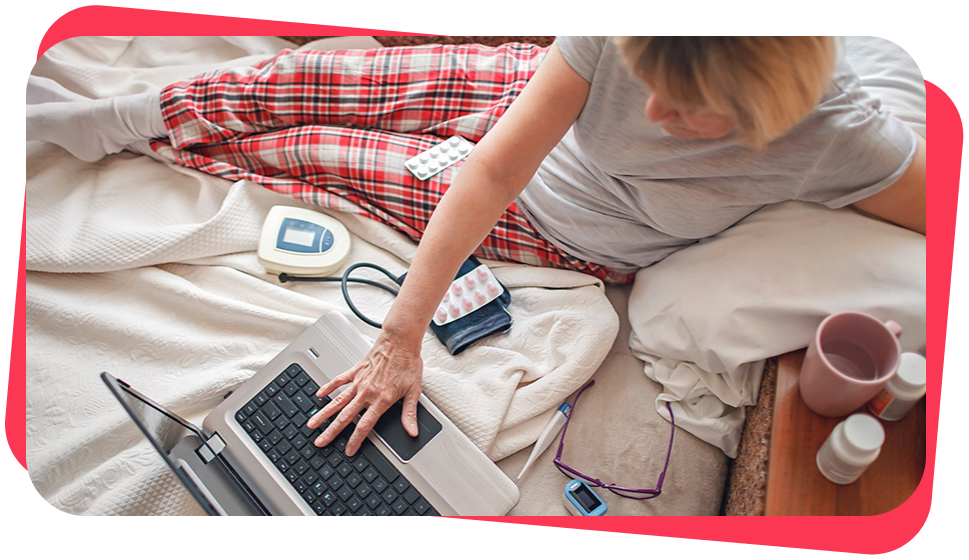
<point x="434" y="160"/>
<point x="467" y="294"/>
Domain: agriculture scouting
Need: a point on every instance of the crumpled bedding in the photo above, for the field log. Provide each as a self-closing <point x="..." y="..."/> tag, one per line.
<point x="148" y="271"/>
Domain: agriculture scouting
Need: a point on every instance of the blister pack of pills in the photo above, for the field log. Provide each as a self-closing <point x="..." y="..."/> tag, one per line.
<point x="467" y="294"/>
<point x="480" y="316"/>
<point x="434" y="160"/>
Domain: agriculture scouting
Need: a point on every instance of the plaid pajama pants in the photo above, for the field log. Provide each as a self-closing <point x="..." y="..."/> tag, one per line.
<point x="334" y="129"/>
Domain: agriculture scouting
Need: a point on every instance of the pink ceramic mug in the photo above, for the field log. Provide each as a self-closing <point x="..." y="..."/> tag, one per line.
<point x="851" y="357"/>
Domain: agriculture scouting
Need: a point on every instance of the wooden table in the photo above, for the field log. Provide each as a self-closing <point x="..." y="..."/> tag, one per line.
<point x="795" y="486"/>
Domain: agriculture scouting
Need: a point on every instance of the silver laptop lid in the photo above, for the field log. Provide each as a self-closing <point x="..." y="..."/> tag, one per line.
<point x="186" y="451"/>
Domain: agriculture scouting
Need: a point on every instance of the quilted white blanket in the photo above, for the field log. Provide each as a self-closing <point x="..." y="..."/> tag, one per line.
<point x="148" y="271"/>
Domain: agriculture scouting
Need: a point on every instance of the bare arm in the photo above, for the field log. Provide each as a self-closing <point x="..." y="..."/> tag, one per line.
<point x="903" y="203"/>
<point x="493" y="176"/>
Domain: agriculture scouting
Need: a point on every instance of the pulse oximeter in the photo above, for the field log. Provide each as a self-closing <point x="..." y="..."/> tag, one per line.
<point x="581" y="500"/>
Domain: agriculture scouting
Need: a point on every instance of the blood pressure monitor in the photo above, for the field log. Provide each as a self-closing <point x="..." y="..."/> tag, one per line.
<point x="302" y="242"/>
<point x="581" y="500"/>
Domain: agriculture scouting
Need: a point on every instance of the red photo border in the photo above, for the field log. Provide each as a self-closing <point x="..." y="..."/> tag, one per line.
<point x="934" y="518"/>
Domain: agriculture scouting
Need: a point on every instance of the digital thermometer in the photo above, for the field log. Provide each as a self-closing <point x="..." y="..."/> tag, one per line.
<point x="302" y="242"/>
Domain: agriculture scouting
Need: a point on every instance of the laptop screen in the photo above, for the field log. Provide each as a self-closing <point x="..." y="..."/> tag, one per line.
<point x="214" y="485"/>
<point x="162" y="428"/>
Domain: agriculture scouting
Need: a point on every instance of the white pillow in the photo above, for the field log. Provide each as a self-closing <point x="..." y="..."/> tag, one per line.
<point x="705" y="317"/>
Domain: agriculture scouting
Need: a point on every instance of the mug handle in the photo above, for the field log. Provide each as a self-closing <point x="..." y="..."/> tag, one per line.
<point x="894" y="327"/>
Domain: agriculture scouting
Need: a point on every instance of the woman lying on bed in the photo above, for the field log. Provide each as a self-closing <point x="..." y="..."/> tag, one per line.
<point x="615" y="154"/>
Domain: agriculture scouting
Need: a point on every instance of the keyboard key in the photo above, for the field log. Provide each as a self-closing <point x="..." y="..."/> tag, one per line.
<point x="310" y="477"/>
<point x="401" y="485"/>
<point x="422" y="507"/>
<point x="261" y="422"/>
<point x="317" y="462"/>
<point x="345" y="493"/>
<point x="328" y="498"/>
<point x="370" y="473"/>
<point x="411" y="495"/>
<point x="399" y="506"/>
<point x="309" y="452"/>
<point x="363" y="490"/>
<point x="301" y="378"/>
<point x="282" y="379"/>
<point x="272" y="388"/>
<point x="354" y="503"/>
<point x="275" y="437"/>
<point x="383" y="466"/>
<point x="303" y="402"/>
<point x="373" y="501"/>
<point x="291" y="389"/>
<point x="344" y="469"/>
<point x="285" y="404"/>
<point x="284" y="447"/>
<point x="338" y="509"/>
<point x="353" y="479"/>
<point x="326" y="471"/>
<point x="388" y="496"/>
<point x="382" y="509"/>
<point x="380" y="485"/>
<point x="293" y="370"/>
<point x="271" y="411"/>
<point x="291" y="431"/>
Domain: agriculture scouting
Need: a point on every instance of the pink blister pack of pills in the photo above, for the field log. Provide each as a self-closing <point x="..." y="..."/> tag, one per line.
<point x="467" y="294"/>
<point x="432" y="161"/>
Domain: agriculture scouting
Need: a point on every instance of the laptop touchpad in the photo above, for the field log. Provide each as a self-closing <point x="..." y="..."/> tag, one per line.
<point x="396" y="437"/>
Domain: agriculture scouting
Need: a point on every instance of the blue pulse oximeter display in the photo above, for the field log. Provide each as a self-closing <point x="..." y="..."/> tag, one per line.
<point x="581" y="500"/>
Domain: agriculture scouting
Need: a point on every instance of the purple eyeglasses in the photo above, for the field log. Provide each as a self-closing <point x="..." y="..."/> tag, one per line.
<point x="633" y="493"/>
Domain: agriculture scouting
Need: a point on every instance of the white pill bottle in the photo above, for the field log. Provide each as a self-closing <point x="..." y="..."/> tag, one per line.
<point x="902" y="391"/>
<point x="853" y="445"/>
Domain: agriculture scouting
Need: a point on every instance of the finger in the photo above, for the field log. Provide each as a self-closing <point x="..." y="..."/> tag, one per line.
<point x="331" y="407"/>
<point x="338" y="381"/>
<point x="341" y="421"/>
<point x="409" y="415"/>
<point x="364" y="426"/>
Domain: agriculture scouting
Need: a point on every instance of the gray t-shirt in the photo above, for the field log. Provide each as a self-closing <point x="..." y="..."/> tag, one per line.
<point x="619" y="191"/>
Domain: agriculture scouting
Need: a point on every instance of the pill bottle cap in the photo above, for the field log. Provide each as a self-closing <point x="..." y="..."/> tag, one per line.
<point x="911" y="372"/>
<point x="863" y="434"/>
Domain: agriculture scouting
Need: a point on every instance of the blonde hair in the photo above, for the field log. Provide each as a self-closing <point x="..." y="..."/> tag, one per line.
<point x="769" y="84"/>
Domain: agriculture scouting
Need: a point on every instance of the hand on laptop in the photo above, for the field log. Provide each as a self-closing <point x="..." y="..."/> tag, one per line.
<point x="389" y="372"/>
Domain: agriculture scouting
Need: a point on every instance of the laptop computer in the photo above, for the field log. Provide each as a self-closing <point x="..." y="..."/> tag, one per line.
<point x="253" y="454"/>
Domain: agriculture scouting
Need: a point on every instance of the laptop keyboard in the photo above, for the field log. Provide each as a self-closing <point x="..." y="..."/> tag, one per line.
<point x="329" y="481"/>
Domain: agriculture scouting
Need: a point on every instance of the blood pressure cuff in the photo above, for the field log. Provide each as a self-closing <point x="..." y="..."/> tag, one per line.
<point x="491" y="318"/>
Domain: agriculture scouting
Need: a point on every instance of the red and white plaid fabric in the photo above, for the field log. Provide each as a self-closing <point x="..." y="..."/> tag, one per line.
<point x="334" y="129"/>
